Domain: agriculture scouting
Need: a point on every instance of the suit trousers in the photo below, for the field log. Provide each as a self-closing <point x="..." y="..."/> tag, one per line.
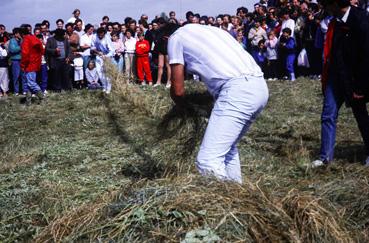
<point x="332" y="103"/>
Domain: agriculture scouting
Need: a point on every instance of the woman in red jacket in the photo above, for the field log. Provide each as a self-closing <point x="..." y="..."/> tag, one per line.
<point x="143" y="62"/>
<point x="32" y="51"/>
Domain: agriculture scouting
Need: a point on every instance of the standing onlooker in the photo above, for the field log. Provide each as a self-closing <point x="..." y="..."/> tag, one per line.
<point x="288" y="44"/>
<point x="15" y="58"/>
<point x="60" y="24"/>
<point x="78" y="28"/>
<point x="255" y="35"/>
<point x="287" y="22"/>
<point x="32" y="52"/>
<point x="4" y="37"/>
<point x="42" y="75"/>
<point x="260" y="55"/>
<point x="143" y="61"/>
<point x="129" y="55"/>
<point x="118" y="45"/>
<point x="76" y="15"/>
<point x="271" y="55"/>
<point x="85" y="44"/>
<point x="57" y="52"/>
<point x="4" y="78"/>
<point x="103" y="48"/>
<point x="163" y="59"/>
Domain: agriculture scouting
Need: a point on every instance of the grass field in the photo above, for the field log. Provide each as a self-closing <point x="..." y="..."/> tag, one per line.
<point x="86" y="167"/>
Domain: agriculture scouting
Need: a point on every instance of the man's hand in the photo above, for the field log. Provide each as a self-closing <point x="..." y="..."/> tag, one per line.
<point x="177" y="90"/>
<point x="357" y="96"/>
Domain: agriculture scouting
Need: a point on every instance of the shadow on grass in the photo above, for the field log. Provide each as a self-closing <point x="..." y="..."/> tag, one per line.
<point x="150" y="168"/>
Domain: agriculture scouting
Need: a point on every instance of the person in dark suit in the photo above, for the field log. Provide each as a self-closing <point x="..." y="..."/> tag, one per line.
<point x="57" y="54"/>
<point x="345" y="76"/>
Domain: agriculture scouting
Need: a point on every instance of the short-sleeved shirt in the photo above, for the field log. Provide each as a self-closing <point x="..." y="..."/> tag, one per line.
<point x="211" y="53"/>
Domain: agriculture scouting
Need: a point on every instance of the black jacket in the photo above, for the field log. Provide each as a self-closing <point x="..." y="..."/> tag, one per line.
<point x="51" y="54"/>
<point x="349" y="68"/>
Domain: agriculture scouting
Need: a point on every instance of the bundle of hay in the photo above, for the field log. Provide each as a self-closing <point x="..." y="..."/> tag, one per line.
<point x="192" y="209"/>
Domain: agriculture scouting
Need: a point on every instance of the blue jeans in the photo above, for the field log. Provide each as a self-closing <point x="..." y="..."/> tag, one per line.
<point x="119" y="62"/>
<point x="31" y="82"/>
<point x="331" y="105"/>
<point x="239" y="102"/>
<point x="16" y="74"/>
<point x="42" y="77"/>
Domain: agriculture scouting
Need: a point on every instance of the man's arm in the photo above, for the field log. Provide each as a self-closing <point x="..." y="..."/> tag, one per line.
<point x="177" y="89"/>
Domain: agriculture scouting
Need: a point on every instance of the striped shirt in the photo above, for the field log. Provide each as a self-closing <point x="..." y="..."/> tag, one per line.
<point x="211" y="53"/>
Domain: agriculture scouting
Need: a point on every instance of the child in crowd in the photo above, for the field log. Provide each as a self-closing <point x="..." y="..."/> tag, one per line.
<point x="271" y="55"/>
<point x="77" y="60"/>
<point x="42" y="75"/>
<point x="288" y="45"/>
<point x="260" y="55"/>
<point x="241" y="39"/>
<point x="118" y="45"/>
<point x="143" y="61"/>
<point x="4" y="78"/>
<point x="92" y="76"/>
<point x="129" y="55"/>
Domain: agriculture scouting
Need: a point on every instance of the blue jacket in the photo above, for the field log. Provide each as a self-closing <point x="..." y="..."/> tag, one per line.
<point x="14" y="49"/>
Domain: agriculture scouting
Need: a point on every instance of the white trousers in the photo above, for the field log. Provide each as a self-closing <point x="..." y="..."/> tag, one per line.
<point x="236" y="108"/>
<point x="101" y="72"/>
<point x="4" y="79"/>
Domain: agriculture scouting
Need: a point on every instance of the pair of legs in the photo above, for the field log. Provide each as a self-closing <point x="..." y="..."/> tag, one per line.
<point x="333" y="101"/>
<point x="236" y="108"/>
<point x="163" y="60"/>
<point x="33" y="87"/>
<point x="102" y="75"/>
<point x="4" y="81"/>
<point x="129" y="61"/>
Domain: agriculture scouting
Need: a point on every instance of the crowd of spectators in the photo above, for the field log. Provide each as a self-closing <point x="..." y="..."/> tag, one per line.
<point x="285" y="37"/>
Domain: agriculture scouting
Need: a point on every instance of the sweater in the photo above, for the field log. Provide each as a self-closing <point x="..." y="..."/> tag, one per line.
<point x="14" y="49"/>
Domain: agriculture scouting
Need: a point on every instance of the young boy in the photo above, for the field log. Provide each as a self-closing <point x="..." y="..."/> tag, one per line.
<point x="271" y="55"/>
<point x="143" y="62"/>
<point x="288" y="45"/>
<point x="260" y="55"/>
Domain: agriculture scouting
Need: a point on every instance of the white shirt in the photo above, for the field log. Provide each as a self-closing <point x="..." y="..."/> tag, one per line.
<point x="290" y="23"/>
<point x="104" y="45"/>
<point x="346" y="15"/>
<point x="211" y="53"/>
<point x="130" y="45"/>
<point x="86" y="40"/>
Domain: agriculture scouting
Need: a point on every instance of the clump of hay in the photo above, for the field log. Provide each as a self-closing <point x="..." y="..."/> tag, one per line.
<point x="194" y="207"/>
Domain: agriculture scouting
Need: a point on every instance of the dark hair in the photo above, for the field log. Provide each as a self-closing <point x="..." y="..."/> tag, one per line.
<point x="69" y="24"/>
<point x="59" y="34"/>
<point x="24" y="30"/>
<point x="171" y="12"/>
<point x="101" y="30"/>
<point x="188" y="14"/>
<point x="15" y="30"/>
<point x="2" y="26"/>
<point x="39" y="36"/>
<point x="161" y="20"/>
<point x="287" y="30"/>
<point x="130" y="31"/>
<point x="77" y="21"/>
<point x="105" y="17"/>
<point x="340" y="3"/>
<point x="261" y="42"/>
<point x="46" y="22"/>
<point x="88" y="26"/>
<point x="140" y="34"/>
<point x="114" y="33"/>
<point x="243" y="9"/>
<point x="38" y="25"/>
<point x="59" y="20"/>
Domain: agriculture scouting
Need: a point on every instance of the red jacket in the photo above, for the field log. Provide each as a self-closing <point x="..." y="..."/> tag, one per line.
<point x="32" y="51"/>
<point x="142" y="48"/>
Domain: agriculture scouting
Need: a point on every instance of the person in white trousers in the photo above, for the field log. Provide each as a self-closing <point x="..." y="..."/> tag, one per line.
<point x="236" y="83"/>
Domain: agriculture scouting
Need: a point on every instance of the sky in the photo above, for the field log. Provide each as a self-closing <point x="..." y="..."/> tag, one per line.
<point x="16" y="12"/>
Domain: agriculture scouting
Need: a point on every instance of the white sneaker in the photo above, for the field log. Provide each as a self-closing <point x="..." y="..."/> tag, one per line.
<point x="317" y="163"/>
<point x="156" y="85"/>
<point x="143" y="83"/>
<point x="367" y="161"/>
<point x="168" y="85"/>
<point x="270" y="79"/>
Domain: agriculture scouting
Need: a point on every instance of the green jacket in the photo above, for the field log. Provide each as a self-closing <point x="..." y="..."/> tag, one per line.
<point x="14" y="49"/>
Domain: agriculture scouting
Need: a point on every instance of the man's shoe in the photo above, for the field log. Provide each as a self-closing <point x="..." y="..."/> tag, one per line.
<point x="367" y="161"/>
<point x="317" y="163"/>
<point x="28" y="98"/>
<point x="40" y="97"/>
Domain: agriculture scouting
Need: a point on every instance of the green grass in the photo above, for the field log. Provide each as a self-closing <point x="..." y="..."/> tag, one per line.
<point x="86" y="167"/>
